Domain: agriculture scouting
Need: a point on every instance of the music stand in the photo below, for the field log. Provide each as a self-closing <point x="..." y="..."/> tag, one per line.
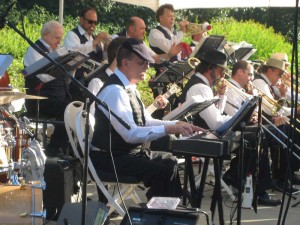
<point x="189" y="108"/>
<point x="68" y="59"/>
<point x="212" y="42"/>
<point x="242" y="53"/>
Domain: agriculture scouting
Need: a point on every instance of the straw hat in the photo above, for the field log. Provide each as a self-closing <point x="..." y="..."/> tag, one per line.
<point x="282" y="57"/>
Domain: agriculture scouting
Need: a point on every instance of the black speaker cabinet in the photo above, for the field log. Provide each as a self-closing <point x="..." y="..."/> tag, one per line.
<point x="58" y="177"/>
<point x="166" y="217"/>
<point x="96" y="213"/>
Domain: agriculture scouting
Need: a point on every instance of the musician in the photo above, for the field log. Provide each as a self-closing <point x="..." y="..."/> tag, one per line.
<point x="269" y="74"/>
<point x="242" y="74"/>
<point x="120" y="94"/>
<point x="208" y="72"/>
<point x="82" y="39"/>
<point x="136" y="28"/>
<point x="163" y="37"/>
<point x="55" y="88"/>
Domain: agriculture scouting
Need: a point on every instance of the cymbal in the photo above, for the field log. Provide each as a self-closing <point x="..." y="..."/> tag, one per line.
<point x="9" y="96"/>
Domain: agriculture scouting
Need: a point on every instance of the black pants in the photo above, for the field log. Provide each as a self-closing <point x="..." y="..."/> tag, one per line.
<point x="160" y="173"/>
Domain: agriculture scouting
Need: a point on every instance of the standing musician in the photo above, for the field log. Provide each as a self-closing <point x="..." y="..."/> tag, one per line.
<point x="163" y="37"/>
<point x="82" y="39"/>
<point x="269" y="74"/>
<point x="159" y="172"/>
<point x="208" y="72"/>
<point x="56" y="89"/>
<point x="242" y="74"/>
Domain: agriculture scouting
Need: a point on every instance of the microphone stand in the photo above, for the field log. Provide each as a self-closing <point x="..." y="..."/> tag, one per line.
<point x="81" y="87"/>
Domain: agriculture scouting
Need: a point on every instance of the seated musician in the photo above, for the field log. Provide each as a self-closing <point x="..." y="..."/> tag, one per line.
<point x="269" y="74"/>
<point x="208" y="72"/>
<point x="242" y="74"/>
<point x="55" y="88"/>
<point x="159" y="172"/>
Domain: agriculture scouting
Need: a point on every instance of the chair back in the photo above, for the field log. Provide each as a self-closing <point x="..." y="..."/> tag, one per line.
<point x="71" y="111"/>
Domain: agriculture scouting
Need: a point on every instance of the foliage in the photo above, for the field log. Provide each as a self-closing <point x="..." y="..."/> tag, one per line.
<point x="265" y="40"/>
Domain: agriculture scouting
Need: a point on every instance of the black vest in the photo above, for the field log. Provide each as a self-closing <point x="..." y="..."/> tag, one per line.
<point x="101" y="130"/>
<point x="57" y="88"/>
<point x="101" y="74"/>
<point x="197" y="120"/>
<point x="97" y="56"/>
<point x="123" y="33"/>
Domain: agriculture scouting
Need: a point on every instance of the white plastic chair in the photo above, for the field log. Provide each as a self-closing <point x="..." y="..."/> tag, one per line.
<point x="69" y="118"/>
<point x="127" y="184"/>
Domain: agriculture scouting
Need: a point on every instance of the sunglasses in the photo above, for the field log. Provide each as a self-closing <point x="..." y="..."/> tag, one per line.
<point x="91" y="21"/>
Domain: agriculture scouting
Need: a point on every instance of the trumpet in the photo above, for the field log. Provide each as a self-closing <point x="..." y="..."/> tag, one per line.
<point x="195" y="28"/>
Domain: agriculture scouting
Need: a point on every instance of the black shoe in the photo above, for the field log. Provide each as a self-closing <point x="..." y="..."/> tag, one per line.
<point x="266" y="199"/>
<point x="280" y="186"/>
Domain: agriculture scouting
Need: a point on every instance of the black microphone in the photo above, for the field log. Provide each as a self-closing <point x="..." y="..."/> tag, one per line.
<point x="3" y="16"/>
<point x="167" y="63"/>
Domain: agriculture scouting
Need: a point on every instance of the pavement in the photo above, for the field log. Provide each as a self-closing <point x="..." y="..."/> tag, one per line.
<point x="266" y="215"/>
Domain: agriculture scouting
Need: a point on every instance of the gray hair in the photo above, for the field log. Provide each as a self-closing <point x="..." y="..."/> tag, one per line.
<point x="50" y="26"/>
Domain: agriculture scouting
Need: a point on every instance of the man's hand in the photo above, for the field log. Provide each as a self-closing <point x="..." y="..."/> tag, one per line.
<point x="182" y="25"/>
<point x="102" y="37"/>
<point x="221" y="87"/>
<point x="183" y="128"/>
<point x="161" y="101"/>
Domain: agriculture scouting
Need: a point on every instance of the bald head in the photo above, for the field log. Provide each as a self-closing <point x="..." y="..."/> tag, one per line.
<point x="136" y="28"/>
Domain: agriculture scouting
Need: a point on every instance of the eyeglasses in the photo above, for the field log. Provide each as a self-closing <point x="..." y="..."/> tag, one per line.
<point x="91" y="21"/>
<point x="143" y="63"/>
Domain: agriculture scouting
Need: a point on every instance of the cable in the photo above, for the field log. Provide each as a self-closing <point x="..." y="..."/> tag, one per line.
<point x="115" y="170"/>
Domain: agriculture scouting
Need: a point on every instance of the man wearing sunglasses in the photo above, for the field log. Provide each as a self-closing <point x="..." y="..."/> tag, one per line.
<point x="83" y="39"/>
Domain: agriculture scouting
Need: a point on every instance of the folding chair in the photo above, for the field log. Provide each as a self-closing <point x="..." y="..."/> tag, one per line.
<point x="128" y="184"/>
<point x="69" y="118"/>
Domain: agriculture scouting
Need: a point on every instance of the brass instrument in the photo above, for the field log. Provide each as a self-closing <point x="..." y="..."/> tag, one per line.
<point x="195" y="28"/>
<point x="193" y="62"/>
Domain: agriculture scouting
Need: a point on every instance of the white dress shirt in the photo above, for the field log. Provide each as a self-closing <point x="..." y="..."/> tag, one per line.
<point x="31" y="56"/>
<point x="264" y="88"/>
<point x="72" y="41"/>
<point x="95" y="85"/>
<point x="157" y="39"/>
<point x="118" y="101"/>
<point x="213" y="114"/>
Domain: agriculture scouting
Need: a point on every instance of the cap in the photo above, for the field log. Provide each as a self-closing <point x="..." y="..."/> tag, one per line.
<point x="139" y="48"/>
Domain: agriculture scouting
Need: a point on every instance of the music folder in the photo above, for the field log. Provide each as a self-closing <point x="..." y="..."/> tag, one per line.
<point x="5" y="61"/>
<point x="189" y="108"/>
<point x="68" y="59"/>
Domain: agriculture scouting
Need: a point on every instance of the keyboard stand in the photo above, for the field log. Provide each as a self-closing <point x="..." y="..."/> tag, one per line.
<point x="196" y="194"/>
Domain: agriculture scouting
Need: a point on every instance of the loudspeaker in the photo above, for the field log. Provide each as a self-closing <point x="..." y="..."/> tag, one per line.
<point x="166" y="217"/>
<point x="59" y="179"/>
<point x="96" y="213"/>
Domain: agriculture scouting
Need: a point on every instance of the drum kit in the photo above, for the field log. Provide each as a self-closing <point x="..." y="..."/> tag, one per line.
<point x="13" y="130"/>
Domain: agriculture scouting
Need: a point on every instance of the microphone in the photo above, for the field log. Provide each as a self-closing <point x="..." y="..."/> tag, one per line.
<point x="167" y="63"/>
<point x="3" y="16"/>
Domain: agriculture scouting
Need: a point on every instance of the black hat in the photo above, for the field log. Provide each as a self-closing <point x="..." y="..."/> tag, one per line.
<point x="139" y="48"/>
<point x="215" y="57"/>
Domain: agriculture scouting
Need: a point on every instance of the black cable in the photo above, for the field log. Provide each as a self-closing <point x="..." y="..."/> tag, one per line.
<point x="115" y="169"/>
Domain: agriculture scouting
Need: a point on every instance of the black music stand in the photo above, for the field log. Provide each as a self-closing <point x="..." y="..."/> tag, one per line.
<point x="212" y="42"/>
<point x="68" y="59"/>
<point x="189" y="109"/>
